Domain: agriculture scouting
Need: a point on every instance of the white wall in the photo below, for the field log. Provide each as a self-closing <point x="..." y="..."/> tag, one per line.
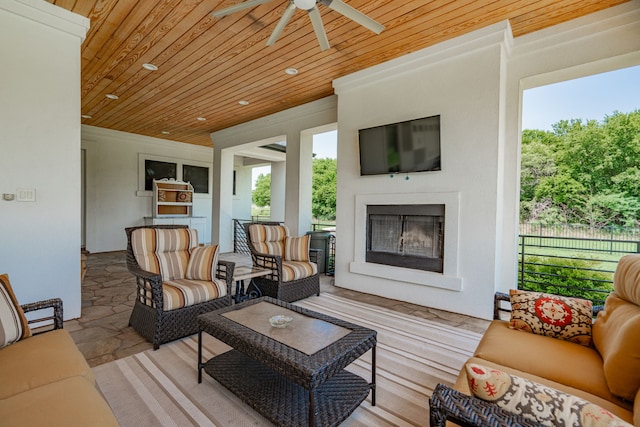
<point x="113" y="198"/>
<point x="474" y="82"/>
<point x="40" y="150"/>
<point x="461" y="81"/>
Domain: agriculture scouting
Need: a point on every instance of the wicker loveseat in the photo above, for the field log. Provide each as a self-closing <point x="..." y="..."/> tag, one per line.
<point x="294" y="273"/>
<point x="177" y="280"/>
<point x="44" y="379"/>
<point x="590" y="378"/>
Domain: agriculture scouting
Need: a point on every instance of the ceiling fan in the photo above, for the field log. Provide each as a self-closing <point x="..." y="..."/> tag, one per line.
<point x="311" y="6"/>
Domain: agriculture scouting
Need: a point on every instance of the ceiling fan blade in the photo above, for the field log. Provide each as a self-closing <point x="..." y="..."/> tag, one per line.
<point x="286" y="16"/>
<point x="238" y="7"/>
<point x="354" y="14"/>
<point x="318" y="27"/>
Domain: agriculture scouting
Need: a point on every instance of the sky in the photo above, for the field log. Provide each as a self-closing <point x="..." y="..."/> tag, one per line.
<point x="587" y="98"/>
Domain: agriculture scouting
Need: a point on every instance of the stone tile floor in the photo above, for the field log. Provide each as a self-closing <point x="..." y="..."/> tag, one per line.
<point x="102" y="333"/>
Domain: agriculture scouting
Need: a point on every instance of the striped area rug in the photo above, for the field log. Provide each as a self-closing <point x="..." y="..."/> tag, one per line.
<point x="160" y="388"/>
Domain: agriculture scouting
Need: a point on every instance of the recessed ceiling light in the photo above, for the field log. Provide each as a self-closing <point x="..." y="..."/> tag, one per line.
<point x="291" y="71"/>
<point x="150" y="67"/>
<point x="202" y="119"/>
<point x="243" y="102"/>
<point x="165" y="132"/>
<point x="86" y="116"/>
<point x="112" y="96"/>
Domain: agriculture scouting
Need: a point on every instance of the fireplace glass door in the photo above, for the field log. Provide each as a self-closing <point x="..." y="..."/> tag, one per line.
<point x="410" y="236"/>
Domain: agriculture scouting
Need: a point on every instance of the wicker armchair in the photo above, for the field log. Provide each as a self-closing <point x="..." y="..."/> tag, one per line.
<point x="271" y="257"/>
<point x="149" y="318"/>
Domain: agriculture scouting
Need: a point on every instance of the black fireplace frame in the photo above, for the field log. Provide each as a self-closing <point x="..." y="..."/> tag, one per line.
<point x="435" y="265"/>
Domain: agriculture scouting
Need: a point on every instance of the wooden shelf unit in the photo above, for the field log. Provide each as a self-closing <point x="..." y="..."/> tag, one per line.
<point x="172" y="198"/>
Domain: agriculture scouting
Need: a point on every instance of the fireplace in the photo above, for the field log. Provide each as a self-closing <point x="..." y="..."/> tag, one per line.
<point x="409" y="236"/>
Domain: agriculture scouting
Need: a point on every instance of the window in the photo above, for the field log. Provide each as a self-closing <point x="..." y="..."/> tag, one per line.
<point x="154" y="169"/>
<point x="198" y="176"/>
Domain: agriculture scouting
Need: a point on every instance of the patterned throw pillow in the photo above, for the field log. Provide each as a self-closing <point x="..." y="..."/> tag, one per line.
<point x="203" y="263"/>
<point x="13" y="323"/>
<point x="297" y="248"/>
<point x="537" y="402"/>
<point x="184" y="197"/>
<point x="551" y="315"/>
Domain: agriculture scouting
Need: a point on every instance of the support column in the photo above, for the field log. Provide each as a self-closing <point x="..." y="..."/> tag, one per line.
<point x="278" y="190"/>
<point x="222" y="211"/>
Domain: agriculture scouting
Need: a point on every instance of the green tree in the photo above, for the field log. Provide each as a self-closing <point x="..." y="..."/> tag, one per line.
<point x="585" y="171"/>
<point x="262" y="193"/>
<point x="324" y="183"/>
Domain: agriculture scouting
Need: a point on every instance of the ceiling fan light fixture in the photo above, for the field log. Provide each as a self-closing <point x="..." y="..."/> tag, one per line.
<point x="305" y="4"/>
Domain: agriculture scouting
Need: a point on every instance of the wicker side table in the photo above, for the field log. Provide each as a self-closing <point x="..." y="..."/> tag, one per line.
<point x="289" y="379"/>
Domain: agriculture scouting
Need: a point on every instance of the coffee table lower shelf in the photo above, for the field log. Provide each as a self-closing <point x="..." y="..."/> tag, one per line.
<point x="282" y="401"/>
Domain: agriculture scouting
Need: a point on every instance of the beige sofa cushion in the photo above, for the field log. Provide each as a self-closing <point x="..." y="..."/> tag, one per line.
<point x="636" y="410"/>
<point x="616" y="334"/>
<point x="624" y="412"/>
<point x="72" y="402"/>
<point x="39" y="360"/>
<point x="557" y="360"/>
<point x="626" y="281"/>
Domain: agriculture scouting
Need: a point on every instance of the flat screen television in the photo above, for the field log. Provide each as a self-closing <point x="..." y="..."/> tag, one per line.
<point x="411" y="146"/>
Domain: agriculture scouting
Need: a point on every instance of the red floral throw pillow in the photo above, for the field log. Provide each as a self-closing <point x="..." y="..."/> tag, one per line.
<point x="551" y="315"/>
<point x="536" y="402"/>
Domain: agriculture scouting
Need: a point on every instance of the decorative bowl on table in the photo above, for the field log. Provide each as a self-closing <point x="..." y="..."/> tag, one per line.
<point x="280" y="321"/>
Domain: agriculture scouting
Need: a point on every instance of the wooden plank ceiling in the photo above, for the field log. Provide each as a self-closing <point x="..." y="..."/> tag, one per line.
<point x="207" y="65"/>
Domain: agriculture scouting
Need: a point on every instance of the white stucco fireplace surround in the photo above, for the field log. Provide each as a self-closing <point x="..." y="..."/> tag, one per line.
<point x="449" y="279"/>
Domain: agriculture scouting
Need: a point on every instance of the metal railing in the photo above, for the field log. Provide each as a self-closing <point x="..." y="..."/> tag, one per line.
<point x="572" y="266"/>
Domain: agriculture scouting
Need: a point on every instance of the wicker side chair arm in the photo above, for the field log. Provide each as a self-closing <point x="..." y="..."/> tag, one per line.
<point x="314" y="255"/>
<point x="225" y="272"/>
<point x="447" y="404"/>
<point x="597" y="309"/>
<point x="498" y="307"/>
<point x="146" y="280"/>
<point x="56" y="316"/>
<point x="271" y="262"/>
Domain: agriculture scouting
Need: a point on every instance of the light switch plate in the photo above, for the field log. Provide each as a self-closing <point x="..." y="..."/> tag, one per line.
<point x="26" y="194"/>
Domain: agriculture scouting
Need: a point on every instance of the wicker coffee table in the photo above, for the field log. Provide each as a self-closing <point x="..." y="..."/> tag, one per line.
<point x="294" y="376"/>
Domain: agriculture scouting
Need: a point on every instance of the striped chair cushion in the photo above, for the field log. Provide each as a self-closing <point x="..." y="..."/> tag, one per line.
<point x="297" y="248"/>
<point x="13" y="323"/>
<point x="203" y="263"/>
<point x="294" y="270"/>
<point x="184" y="293"/>
<point x="164" y="251"/>
<point x="269" y="239"/>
